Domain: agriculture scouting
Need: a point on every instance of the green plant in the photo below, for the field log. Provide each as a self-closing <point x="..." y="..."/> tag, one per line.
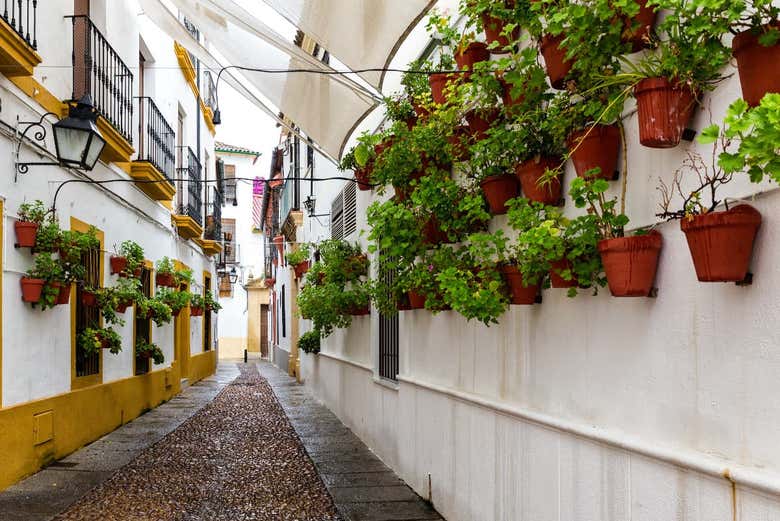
<point x="348" y="161"/>
<point x="398" y="108"/>
<point x="48" y="236"/>
<point x="183" y="277"/>
<point x="33" y="212"/>
<point x="211" y="303"/>
<point x="299" y="255"/>
<point x="143" y="347"/>
<point x="309" y="342"/>
<point x="175" y="299"/>
<point x="92" y="340"/>
<point x="73" y="244"/>
<point x="48" y="268"/>
<point x="540" y="238"/>
<point x="197" y="301"/>
<point x="155" y="309"/>
<point x="749" y="139"/>
<point x="134" y="254"/>
<point x="718" y="17"/>
<point x="590" y="194"/>
<point x="108" y="302"/>
<point x="165" y="266"/>
<point x="323" y="304"/>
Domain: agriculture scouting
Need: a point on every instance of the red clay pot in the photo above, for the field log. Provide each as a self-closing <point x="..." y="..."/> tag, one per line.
<point x="637" y="29"/>
<point x="440" y="83"/>
<point x="556" y="280"/>
<point x="758" y="67"/>
<point x="475" y="52"/>
<point x="459" y="141"/>
<point x="301" y="268"/>
<point x="88" y="299"/>
<point x="480" y="122"/>
<point x="432" y="233"/>
<point x="196" y="311"/>
<point x="520" y="294"/>
<point x="25" y="233"/>
<point x="558" y="67"/>
<point x="118" y="264"/>
<point x="360" y="311"/>
<point x="721" y="243"/>
<point x="165" y="279"/>
<point x="506" y="94"/>
<point x="529" y="172"/>
<point x="363" y="178"/>
<point x="421" y="112"/>
<point x="663" y="111"/>
<point x="416" y="300"/>
<point x="493" y="28"/>
<point x="630" y="263"/>
<point x="596" y="146"/>
<point x="123" y="306"/>
<point x="499" y="189"/>
<point x="32" y="289"/>
<point x="63" y="295"/>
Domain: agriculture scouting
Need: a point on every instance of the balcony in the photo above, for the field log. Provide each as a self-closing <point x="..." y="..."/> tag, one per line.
<point x="290" y="207"/>
<point x="155" y="167"/>
<point x="189" y="217"/>
<point x="209" y="92"/>
<point x="99" y="71"/>
<point x="212" y="234"/>
<point x="19" y="37"/>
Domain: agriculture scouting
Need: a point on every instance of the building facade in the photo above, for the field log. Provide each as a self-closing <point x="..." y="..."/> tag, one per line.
<point x="155" y="184"/>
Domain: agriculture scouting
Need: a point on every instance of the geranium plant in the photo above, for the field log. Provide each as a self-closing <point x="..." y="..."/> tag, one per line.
<point x="309" y="342"/>
<point x="148" y="350"/>
<point x="92" y="340"/>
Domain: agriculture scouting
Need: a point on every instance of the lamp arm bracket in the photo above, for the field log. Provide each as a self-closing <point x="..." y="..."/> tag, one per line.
<point x="39" y="136"/>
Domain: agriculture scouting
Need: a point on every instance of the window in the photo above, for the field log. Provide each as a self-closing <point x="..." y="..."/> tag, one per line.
<point x="229" y="234"/>
<point x="388" y="337"/>
<point x="143" y="325"/>
<point x="343" y="213"/>
<point x="206" y="316"/>
<point x="283" y="313"/>
<point x="88" y="316"/>
<point x="230" y="185"/>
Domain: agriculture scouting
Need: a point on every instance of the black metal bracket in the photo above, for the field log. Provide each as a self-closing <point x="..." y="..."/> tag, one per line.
<point x="689" y="134"/>
<point x="616" y="175"/>
<point x="538" y="299"/>
<point x="653" y="293"/>
<point x="747" y="281"/>
<point x="39" y="136"/>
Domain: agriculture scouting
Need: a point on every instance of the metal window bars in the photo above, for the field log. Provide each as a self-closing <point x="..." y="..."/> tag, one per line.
<point x="99" y="71"/>
<point x="209" y="91"/>
<point x="213" y="230"/>
<point x="192" y="205"/>
<point x="18" y="18"/>
<point x="157" y="140"/>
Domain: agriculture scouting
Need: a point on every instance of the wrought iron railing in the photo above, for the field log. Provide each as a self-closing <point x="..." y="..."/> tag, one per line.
<point x="209" y="91"/>
<point x="99" y="71"/>
<point x="18" y="18"/>
<point x="157" y="140"/>
<point x="213" y="231"/>
<point x="191" y="171"/>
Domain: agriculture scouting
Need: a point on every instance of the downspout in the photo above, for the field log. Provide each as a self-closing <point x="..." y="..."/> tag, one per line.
<point x="197" y="109"/>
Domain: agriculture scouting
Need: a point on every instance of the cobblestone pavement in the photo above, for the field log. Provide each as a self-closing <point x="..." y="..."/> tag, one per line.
<point x="237" y="459"/>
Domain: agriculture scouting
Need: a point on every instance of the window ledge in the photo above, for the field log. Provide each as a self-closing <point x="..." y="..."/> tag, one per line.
<point x="151" y="181"/>
<point x="186" y="226"/>
<point x="16" y="56"/>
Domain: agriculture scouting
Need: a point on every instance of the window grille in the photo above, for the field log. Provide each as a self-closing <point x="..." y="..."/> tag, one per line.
<point x="343" y="213"/>
<point x="230" y="185"/>
<point x="88" y="316"/>
<point x="143" y="326"/>
<point x="229" y="234"/>
<point x="284" y="313"/>
<point x="388" y="337"/>
<point x="207" y="318"/>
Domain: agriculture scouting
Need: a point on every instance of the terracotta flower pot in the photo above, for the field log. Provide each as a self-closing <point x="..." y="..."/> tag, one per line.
<point x="637" y="29"/>
<point x="558" y="67"/>
<point x="25" y="233"/>
<point x="475" y="52"/>
<point x="593" y="147"/>
<point x="363" y="178"/>
<point x="499" y="189"/>
<point x="421" y="112"/>
<point x="360" y="311"/>
<point x="165" y="279"/>
<point x="459" y="142"/>
<point x="529" y="172"/>
<point x="721" y="243"/>
<point x="196" y="311"/>
<point x="432" y="233"/>
<point x="88" y="299"/>
<point x="663" y="111"/>
<point x="301" y="268"/>
<point x="137" y="272"/>
<point x="123" y="306"/>
<point x="758" y="68"/>
<point x="520" y="294"/>
<point x="493" y="28"/>
<point x="556" y="279"/>
<point x="416" y="300"/>
<point x="118" y="264"/>
<point x="63" y="295"/>
<point x="480" y="122"/>
<point x="630" y="263"/>
<point x="506" y="94"/>
<point x="32" y="289"/>
<point x="440" y="83"/>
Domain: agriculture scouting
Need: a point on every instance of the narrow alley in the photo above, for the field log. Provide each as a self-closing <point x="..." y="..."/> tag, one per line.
<point x="248" y="443"/>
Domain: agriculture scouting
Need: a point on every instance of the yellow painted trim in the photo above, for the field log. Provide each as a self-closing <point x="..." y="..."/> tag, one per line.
<point x="117" y="149"/>
<point x="154" y="184"/>
<point x="32" y="88"/>
<point x="208" y="246"/>
<point x="2" y="237"/>
<point x="202" y="365"/>
<point x="191" y="77"/>
<point x="181" y="331"/>
<point x="150" y="266"/>
<point x="186" y="226"/>
<point x="208" y="117"/>
<point x="80" y="417"/>
<point x="78" y="382"/>
<point x="17" y="58"/>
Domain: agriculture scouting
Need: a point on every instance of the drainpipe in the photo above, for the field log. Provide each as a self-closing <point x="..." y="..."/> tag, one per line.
<point x="197" y="108"/>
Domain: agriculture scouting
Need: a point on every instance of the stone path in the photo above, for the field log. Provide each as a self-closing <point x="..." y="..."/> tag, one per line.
<point x="230" y="456"/>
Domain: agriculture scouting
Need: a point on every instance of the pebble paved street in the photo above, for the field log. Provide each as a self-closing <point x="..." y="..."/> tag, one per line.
<point x="259" y="447"/>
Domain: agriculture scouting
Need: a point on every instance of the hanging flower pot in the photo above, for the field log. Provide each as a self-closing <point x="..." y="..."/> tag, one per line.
<point x="494" y="27"/>
<point x="519" y="293"/>
<point x="530" y="172"/>
<point x="630" y="263"/>
<point x="475" y="52"/>
<point x="721" y="243"/>
<point x="557" y="65"/>
<point x="25" y="233"/>
<point x="421" y="112"/>
<point x="357" y="311"/>
<point x="196" y="311"/>
<point x="506" y="94"/>
<point x="663" y="111"/>
<point x="440" y="85"/>
<point x="637" y="29"/>
<point x="416" y="300"/>
<point x="122" y="307"/>
<point x="363" y="178"/>
<point x="301" y="268"/>
<point x="88" y="298"/>
<point x="432" y="233"/>
<point x="596" y="146"/>
<point x="32" y="289"/>
<point x="499" y="189"/>
<point x="459" y="143"/>
<point x="118" y="264"/>
<point x="480" y="122"/>
<point x="165" y="279"/>
<point x="63" y="293"/>
<point x="556" y="279"/>
<point x="757" y="65"/>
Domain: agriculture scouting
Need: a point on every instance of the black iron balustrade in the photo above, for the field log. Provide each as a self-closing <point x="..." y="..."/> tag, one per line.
<point x="99" y="71"/>
<point x="209" y="91"/>
<point x="18" y="18"/>
<point x="194" y="202"/>
<point x="157" y="138"/>
<point x="213" y="230"/>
